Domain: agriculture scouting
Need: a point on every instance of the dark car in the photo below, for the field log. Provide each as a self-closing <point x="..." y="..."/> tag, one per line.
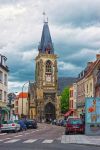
<point x="31" y="124"/>
<point x="74" y="125"/>
<point x="63" y="123"/>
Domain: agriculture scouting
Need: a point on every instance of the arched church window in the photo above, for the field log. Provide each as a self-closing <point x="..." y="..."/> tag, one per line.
<point x="48" y="66"/>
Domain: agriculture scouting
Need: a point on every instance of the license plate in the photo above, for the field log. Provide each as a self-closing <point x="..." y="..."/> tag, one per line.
<point x="75" y="127"/>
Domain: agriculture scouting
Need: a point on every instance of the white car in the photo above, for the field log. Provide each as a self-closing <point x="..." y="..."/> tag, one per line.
<point x="10" y="125"/>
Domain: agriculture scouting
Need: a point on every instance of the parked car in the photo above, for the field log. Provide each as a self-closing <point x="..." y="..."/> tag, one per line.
<point x="31" y="124"/>
<point x="74" y="125"/>
<point x="63" y="123"/>
<point x="9" y="126"/>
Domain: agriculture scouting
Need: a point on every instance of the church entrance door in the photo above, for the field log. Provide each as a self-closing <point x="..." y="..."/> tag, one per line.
<point x="50" y="112"/>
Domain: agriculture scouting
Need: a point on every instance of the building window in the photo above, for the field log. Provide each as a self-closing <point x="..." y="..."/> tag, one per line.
<point x="5" y="79"/>
<point x="16" y="103"/>
<point x="72" y="104"/>
<point x="90" y="86"/>
<point x="71" y="93"/>
<point x="1" y="76"/>
<point x="87" y="88"/>
<point x="5" y="96"/>
<point x="0" y="94"/>
<point x="48" y="66"/>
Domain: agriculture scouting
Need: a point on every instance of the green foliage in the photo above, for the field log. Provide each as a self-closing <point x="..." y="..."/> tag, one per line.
<point x="65" y="100"/>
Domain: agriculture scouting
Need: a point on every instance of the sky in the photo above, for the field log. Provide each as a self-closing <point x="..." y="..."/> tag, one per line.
<point x="75" y="30"/>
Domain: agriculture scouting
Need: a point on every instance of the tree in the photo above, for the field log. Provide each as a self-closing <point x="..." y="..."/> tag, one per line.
<point x="65" y="100"/>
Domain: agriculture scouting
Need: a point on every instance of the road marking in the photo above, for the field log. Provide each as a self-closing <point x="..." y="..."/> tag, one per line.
<point x="30" y="141"/>
<point x="7" y="139"/>
<point x="1" y="140"/>
<point x="3" y="133"/>
<point x="27" y="133"/>
<point x="12" y="141"/>
<point x="18" y="135"/>
<point x="47" y="141"/>
<point x="33" y="131"/>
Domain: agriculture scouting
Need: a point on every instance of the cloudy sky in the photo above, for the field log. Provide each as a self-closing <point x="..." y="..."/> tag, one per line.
<point x="74" y="27"/>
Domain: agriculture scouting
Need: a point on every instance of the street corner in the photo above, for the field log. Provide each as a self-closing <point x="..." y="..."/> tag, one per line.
<point x="81" y="139"/>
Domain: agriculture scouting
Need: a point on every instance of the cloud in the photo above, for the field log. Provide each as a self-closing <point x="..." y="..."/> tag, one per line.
<point x="75" y="13"/>
<point x="16" y="87"/>
<point x="68" y="68"/>
<point x="74" y="27"/>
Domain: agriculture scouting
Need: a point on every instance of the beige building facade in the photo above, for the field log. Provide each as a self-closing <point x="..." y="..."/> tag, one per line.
<point x="21" y="107"/>
<point x="89" y="86"/>
<point x="73" y="99"/>
<point x="4" y="110"/>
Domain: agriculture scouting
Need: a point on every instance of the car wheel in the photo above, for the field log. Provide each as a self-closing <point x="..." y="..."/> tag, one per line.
<point x="15" y="131"/>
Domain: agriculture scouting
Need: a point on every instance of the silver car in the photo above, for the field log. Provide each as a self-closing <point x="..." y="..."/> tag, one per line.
<point x="10" y="125"/>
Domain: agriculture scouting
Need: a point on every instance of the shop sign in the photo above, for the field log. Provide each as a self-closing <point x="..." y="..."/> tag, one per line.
<point x="92" y="116"/>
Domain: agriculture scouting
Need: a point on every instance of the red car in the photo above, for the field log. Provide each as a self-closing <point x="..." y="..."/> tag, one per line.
<point x="74" y="125"/>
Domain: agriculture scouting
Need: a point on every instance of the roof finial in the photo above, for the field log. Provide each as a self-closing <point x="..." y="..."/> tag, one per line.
<point x="44" y="16"/>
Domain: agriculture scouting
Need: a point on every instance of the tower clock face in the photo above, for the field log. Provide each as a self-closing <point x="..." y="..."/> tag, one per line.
<point x="48" y="78"/>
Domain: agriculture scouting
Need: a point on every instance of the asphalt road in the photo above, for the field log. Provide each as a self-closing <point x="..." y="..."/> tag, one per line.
<point x="46" y="137"/>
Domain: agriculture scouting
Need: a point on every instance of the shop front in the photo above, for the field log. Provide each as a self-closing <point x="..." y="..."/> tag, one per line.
<point x="4" y="114"/>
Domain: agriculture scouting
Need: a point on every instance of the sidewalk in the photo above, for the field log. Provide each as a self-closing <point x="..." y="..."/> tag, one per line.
<point x="81" y="139"/>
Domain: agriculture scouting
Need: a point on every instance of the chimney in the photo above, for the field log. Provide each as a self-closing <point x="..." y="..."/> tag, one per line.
<point x="98" y="56"/>
<point x="89" y="64"/>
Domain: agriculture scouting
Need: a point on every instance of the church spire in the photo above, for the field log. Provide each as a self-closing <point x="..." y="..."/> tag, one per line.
<point x="46" y="45"/>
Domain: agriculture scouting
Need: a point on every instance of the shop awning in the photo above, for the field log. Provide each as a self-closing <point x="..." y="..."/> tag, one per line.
<point x="68" y="113"/>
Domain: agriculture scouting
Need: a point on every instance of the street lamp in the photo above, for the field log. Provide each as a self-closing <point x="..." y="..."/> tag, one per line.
<point x="22" y="94"/>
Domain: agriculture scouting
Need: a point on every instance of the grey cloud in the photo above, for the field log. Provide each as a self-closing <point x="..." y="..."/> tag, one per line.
<point x="76" y="13"/>
<point x="74" y="29"/>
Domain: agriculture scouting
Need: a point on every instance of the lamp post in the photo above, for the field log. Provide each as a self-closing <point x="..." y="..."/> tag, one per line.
<point x="22" y="94"/>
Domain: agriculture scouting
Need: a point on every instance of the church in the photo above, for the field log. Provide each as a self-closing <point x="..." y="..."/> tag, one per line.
<point x="44" y="102"/>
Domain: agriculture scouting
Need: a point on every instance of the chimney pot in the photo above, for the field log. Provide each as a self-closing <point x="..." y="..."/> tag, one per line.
<point x="98" y="56"/>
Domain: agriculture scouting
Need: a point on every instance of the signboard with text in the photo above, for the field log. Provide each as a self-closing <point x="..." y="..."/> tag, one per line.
<point x="92" y="116"/>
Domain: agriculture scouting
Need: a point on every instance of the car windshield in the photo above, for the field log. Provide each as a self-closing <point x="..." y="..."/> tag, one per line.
<point x="75" y="121"/>
<point x="10" y="121"/>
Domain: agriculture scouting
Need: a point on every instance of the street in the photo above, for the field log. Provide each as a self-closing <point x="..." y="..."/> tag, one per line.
<point x="46" y="137"/>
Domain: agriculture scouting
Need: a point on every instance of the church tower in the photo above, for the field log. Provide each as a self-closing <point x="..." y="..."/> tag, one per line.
<point x="46" y="77"/>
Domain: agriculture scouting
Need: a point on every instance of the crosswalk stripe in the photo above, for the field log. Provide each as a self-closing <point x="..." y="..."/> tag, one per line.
<point x="27" y="133"/>
<point x="1" y="140"/>
<point x="30" y="141"/>
<point x="3" y="133"/>
<point x="47" y="141"/>
<point x="18" y="135"/>
<point x="12" y="141"/>
<point x="7" y="139"/>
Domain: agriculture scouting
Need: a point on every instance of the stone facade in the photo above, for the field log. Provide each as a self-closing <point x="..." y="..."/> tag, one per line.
<point x="46" y="103"/>
<point x="46" y="86"/>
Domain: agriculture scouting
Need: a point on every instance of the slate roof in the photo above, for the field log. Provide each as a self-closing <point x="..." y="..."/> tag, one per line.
<point x="46" y="41"/>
